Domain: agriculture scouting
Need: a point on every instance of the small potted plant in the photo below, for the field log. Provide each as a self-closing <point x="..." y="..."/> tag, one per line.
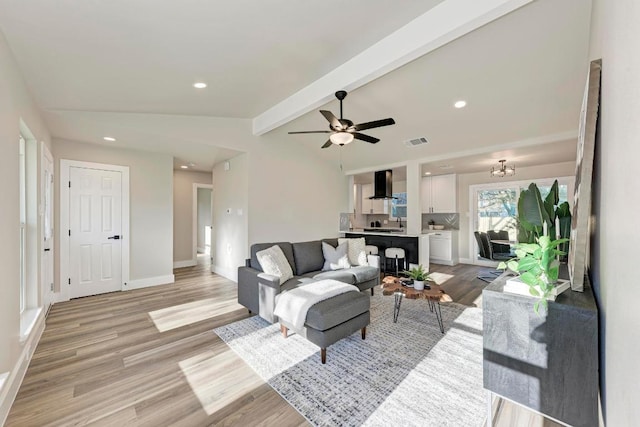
<point x="538" y="267"/>
<point x="419" y="276"/>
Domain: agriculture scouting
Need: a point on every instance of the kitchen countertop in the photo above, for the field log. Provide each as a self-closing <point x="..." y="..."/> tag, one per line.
<point x="381" y="233"/>
<point x="424" y="232"/>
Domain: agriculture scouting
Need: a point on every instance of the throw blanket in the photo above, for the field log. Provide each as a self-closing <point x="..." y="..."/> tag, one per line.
<point x="293" y="305"/>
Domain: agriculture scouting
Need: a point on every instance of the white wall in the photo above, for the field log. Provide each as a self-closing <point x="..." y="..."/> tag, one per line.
<point x="15" y="104"/>
<point x="230" y="216"/>
<point x="183" y="212"/>
<point x="286" y="194"/>
<point x="293" y="195"/>
<point x="151" y="204"/>
<point x="616" y="39"/>
<point x="525" y="173"/>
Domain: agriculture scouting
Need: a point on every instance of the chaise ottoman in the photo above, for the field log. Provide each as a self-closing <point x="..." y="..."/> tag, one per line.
<point x="332" y="319"/>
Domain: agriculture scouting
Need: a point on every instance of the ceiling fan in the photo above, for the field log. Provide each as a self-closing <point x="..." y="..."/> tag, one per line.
<point x="343" y="131"/>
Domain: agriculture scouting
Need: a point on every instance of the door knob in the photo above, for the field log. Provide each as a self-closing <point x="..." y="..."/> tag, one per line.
<point x="116" y="237"/>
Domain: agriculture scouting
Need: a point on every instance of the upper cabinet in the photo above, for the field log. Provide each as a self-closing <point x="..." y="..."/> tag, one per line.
<point x="369" y="206"/>
<point x="439" y="194"/>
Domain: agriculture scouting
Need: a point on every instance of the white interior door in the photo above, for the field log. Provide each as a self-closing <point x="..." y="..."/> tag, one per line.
<point x="95" y="225"/>
<point x="47" y="228"/>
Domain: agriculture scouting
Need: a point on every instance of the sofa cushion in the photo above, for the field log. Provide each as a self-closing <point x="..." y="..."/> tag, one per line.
<point x="286" y="249"/>
<point x="344" y="275"/>
<point x="336" y="310"/>
<point x="364" y="273"/>
<point x="308" y="256"/>
<point x="295" y="282"/>
<point x="355" y="250"/>
<point x="273" y="261"/>
<point x="335" y="258"/>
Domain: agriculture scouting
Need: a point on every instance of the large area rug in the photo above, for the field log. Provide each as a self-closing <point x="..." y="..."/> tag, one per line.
<point x="406" y="374"/>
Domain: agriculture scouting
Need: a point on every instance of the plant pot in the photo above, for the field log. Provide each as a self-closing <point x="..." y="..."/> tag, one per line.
<point x="517" y="286"/>
<point x="418" y="285"/>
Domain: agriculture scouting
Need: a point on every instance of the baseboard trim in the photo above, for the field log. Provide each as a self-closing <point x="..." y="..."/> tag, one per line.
<point x="466" y="261"/>
<point x="442" y="262"/>
<point x="228" y="273"/>
<point x="150" y="281"/>
<point x="13" y="381"/>
<point x="185" y="263"/>
<point x="200" y="249"/>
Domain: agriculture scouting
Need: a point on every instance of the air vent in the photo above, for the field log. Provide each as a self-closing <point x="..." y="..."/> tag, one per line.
<point x="415" y="142"/>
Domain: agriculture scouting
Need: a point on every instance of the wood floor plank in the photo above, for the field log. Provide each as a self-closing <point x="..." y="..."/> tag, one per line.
<point x="149" y="357"/>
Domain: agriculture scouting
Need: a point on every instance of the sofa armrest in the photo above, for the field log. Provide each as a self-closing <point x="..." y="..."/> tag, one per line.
<point x="248" y="288"/>
<point x="269" y="280"/>
<point x="268" y="289"/>
<point x="373" y="260"/>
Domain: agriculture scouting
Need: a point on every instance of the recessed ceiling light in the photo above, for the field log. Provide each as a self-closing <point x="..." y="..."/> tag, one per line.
<point x="184" y="167"/>
<point x="427" y="173"/>
<point x="199" y="85"/>
<point x="460" y="104"/>
<point x="109" y="138"/>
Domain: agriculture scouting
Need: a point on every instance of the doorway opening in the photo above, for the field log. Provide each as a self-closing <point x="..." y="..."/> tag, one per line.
<point x="202" y="222"/>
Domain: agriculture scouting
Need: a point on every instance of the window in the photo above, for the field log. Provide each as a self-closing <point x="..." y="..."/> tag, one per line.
<point x="23" y="223"/>
<point x="495" y="205"/>
<point x="28" y="228"/>
<point x="399" y="205"/>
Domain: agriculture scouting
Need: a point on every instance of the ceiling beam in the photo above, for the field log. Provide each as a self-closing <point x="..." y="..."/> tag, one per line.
<point x="445" y="22"/>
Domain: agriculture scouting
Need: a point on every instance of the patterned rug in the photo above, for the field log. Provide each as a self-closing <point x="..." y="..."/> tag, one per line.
<point x="406" y="373"/>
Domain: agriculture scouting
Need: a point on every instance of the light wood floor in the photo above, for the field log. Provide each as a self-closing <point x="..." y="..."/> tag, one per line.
<point x="149" y="357"/>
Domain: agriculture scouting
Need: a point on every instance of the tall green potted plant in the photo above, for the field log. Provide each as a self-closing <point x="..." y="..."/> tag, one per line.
<point x="538" y="266"/>
<point x="534" y="213"/>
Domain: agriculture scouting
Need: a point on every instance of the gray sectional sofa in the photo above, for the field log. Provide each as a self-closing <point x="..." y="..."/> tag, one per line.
<point x="257" y="290"/>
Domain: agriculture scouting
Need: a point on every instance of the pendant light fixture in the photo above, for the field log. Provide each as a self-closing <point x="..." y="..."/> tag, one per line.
<point x="502" y="170"/>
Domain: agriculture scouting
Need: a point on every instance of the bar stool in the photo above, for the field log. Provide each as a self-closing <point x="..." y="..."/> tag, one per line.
<point x="397" y="253"/>
<point x="371" y="250"/>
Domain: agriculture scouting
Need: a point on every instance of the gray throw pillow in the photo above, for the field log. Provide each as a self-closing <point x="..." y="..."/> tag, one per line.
<point x="335" y="258"/>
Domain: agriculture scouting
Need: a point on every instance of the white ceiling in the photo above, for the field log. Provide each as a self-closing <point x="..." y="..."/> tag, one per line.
<point x="98" y="66"/>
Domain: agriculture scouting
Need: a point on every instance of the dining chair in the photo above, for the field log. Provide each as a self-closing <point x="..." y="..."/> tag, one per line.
<point x="483" y="252"/>
<point x="499" y="248"/>
<point x="489" y="248"/>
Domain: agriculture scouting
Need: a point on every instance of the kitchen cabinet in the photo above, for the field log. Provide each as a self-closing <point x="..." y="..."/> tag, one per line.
<point x="443" y="247"/>
<point x="439" y="194"/>
<point x="369" y="206"/>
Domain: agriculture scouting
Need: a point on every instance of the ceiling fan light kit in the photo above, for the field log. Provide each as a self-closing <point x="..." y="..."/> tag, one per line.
<point x="341" y="138"/>
<point x="502" y="170"/>
<point x="343" y="131"/>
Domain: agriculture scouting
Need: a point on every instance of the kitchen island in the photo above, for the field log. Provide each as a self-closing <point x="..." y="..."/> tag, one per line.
<point x="416" y="246"/>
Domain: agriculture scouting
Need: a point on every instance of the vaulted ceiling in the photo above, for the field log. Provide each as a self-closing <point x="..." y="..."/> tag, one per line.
<point x="102" y="68"/>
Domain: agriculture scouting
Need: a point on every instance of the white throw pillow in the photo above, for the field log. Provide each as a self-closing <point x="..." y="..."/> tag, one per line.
<point x="356" y="252"/>
<point x="273" y="261"/>
<point x="335" y="258"/>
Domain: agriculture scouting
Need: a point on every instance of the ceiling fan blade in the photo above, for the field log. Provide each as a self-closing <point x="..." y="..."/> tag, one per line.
<point x="333" y="120"/>
<point x="363" y="137"/>
<point x="310" y="131"/>
<point x="327" y="144"/>
<point x="375" y="124"/>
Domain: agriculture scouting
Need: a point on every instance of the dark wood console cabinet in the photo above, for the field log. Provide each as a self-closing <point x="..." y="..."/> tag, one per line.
<point x="546" y="362"/>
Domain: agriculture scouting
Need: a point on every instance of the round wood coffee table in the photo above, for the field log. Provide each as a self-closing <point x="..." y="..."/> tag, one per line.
<point x="392" y="286"/>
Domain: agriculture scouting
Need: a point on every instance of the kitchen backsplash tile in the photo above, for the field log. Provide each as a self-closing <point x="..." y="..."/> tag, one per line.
<point x="451" y="221"/>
